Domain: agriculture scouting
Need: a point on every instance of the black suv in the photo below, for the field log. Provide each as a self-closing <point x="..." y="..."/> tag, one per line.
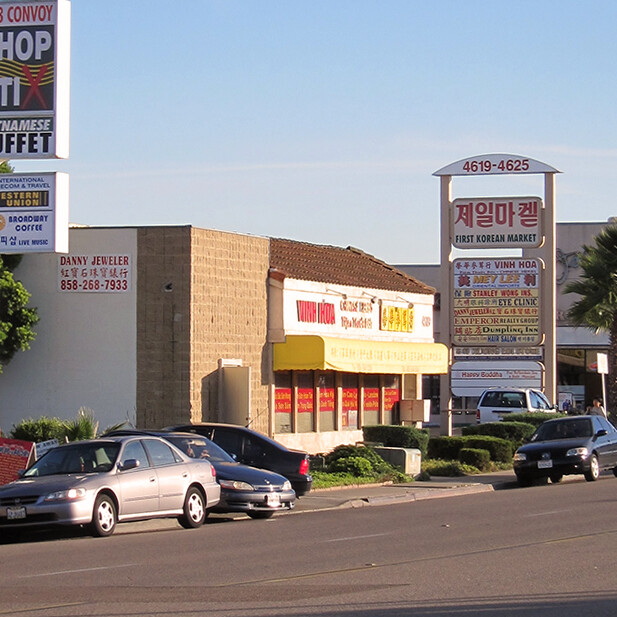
<point x="257" y="450"/>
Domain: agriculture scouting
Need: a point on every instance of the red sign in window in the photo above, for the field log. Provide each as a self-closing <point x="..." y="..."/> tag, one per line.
<point x="391" y="396"/>
<point x="282" y="400"/>
<point x="305" y="400"/>
<point x="371" y="399"/>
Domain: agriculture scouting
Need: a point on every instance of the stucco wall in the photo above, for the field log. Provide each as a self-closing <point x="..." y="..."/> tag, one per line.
<point x="84" y="352"/>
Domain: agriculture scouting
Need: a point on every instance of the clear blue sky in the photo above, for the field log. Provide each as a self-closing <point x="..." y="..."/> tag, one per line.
<point x="324" y="120"/>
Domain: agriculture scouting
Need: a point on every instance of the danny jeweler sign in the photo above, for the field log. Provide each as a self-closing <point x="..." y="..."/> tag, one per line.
<point x="34" y="79"/>
<point x="496" y="302"/>
<point x="34" y="213"/>
<point x="497" y="222"/>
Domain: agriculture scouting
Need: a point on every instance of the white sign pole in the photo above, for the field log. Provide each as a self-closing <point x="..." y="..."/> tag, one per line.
<point x="445" y="391"/>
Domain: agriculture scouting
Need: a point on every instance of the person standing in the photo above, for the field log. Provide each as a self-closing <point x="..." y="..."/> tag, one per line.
<point x="596" y="408"/>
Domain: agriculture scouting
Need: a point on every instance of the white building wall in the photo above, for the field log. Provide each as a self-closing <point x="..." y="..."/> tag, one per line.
<point x="84" y="354"/>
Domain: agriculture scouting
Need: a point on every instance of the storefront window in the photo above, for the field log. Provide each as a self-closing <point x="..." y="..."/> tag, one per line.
<point x="327" y="398"/>
<point x="282" y="402"/>
<point x="350" y="402"/>
<point x="391" y="397"/>
<point x="370" y="399"/>
<point x="306" y="401"/>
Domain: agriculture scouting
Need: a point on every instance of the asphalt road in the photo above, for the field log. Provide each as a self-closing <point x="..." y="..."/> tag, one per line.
<point x="546" y="550"/>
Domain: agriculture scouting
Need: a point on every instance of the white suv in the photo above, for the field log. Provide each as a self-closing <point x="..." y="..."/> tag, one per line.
<point x="496" y="403"/>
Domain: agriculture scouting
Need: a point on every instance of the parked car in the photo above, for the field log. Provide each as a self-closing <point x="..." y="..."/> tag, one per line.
<point x="257" y="492"/>
<point x="255" y="449"/>
<point x="574" y="445"/>
<point x="101" y="482"/>
<point x="496" y="403"/>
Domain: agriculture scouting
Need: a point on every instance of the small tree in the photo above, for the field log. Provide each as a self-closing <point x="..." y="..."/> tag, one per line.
<point x="16" y="318"/>
<point x="597" y="306"/>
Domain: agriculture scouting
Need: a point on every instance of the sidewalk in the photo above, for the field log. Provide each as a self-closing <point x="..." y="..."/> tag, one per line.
<point x="374" y="495"/>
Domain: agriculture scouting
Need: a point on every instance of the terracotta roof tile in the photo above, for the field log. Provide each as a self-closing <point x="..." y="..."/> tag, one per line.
<point x="342" y="266"/>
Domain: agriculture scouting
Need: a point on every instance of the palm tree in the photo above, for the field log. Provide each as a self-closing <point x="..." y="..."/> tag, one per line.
<point x="597" y="306"/>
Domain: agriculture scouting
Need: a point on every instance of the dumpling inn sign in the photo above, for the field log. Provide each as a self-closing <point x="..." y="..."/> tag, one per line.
<point x="494" y="302"/>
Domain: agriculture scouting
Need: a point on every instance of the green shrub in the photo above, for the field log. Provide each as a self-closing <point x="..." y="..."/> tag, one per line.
<point x="515" y="432"/>
<point x="476" y="457"/>
<point x="394" y="436"/>
<point x="41" y="429"/>
<point x="446" y="448"/>
<point x="355" y="465"/>
<point x="379" y="469"/>
<point x="437" y="467"/>
<point x="449" y="447"/>
<point x="536" y="418"/>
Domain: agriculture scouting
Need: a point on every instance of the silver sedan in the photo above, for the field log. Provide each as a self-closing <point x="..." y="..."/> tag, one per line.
<point x="102" y="482"/>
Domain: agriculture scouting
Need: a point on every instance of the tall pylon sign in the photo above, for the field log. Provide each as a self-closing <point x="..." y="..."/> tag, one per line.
<point x="498" y="309"/>
<point x="34" y="123"/>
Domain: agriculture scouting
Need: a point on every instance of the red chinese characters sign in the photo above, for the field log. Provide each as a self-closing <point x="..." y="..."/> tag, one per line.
<point x="497" y="222"/>
<point x="14" y="455"/>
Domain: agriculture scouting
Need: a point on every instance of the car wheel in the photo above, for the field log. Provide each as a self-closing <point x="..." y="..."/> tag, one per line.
<point x="260" y="514"/>
<point x="556" y="478"/>
<point x="594" y="469"/>
<point x="615" y="471"/>
<point x="524" y="481"/>
<point x="104" y="517"/>
<point x="194" y="509"/>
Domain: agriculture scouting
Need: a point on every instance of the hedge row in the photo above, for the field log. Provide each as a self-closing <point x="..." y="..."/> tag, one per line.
<point x="516" y="432"/>
<point x="391" y="436"/>
<point x="500" y="450"/>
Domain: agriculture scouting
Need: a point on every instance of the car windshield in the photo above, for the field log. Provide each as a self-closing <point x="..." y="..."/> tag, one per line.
<point x="200" y="447"/>
<point x="87" y="457"/>
<point x="563" y="430"/>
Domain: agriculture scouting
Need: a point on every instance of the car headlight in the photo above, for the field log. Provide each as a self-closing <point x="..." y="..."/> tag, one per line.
<point x="287" y="485"/>
<point x="582" y="452"/>
<point x="236" y="485"/>
<point x="70" y="494"/>
<point x="520" y="456"/>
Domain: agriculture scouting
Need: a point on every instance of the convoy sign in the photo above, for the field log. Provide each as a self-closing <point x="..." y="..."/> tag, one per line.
<point x="496" y="302"/>
<point x="34" y="79"/>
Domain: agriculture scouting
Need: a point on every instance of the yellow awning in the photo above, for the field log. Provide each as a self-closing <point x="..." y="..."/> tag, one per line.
<point x="321" y="353"/>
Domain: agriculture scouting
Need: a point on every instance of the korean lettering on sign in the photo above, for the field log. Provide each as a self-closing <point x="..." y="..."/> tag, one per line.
<point x="497" y="222"/>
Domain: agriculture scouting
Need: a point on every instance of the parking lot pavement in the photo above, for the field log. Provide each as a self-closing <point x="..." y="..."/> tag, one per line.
<point x="362" y="496"/>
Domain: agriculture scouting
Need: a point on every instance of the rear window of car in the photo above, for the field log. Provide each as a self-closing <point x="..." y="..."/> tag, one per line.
<point x="504" y="399"/>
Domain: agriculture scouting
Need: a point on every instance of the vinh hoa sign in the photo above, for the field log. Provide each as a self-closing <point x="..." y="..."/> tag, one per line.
<point x="496" y="302"/>
<point x="497" y="222"/>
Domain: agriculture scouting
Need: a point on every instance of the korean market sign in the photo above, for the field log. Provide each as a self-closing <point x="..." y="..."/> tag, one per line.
<point x="496" y="302"/>
<point x="497" y="222"/>
<point x="34" y="79"/>
<point x="34" y="213"/>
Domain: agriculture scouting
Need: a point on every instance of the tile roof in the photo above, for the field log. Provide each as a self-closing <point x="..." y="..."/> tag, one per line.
<point x="342" y="266"/>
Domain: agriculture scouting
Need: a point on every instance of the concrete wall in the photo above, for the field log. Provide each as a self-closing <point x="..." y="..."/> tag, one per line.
<point x="84" y="351"/>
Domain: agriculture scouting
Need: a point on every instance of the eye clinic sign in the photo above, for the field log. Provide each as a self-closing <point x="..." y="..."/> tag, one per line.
<point x="34" y="79"/>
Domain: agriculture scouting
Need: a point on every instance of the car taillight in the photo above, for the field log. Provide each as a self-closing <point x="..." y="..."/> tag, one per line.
<point x="213" y="471"/>
<point x="304" y="467"/>
<point x="478" y="415"/>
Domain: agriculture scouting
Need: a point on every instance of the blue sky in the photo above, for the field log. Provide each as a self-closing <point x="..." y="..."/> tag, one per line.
<point x="323" y="121"/>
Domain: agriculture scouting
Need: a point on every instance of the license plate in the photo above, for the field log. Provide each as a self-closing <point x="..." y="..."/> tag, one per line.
<point x="15" y="513"/>
<point x="273" y="500"/>
<point x="545" y="464"/>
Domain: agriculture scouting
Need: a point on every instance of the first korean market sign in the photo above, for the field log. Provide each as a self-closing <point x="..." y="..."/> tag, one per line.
<point x="496" y="302"/>
<point x="497" y="222"/>
<point x="34" y="79"/>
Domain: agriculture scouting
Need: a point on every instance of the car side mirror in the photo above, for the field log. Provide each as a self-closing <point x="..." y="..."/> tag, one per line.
<point x="130" y="463"/>
<point x="602" y="432"/>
